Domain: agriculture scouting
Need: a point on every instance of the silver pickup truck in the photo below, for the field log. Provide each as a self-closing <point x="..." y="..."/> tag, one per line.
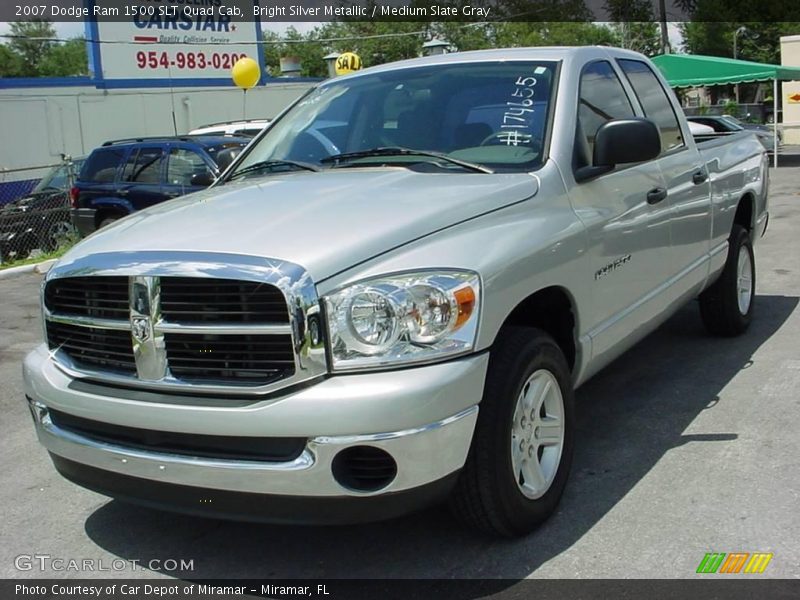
<point x="390" y="296"/>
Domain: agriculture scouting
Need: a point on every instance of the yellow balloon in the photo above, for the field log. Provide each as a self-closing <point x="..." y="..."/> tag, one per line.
<point x="246" y="73"/>
<point x="348" y="63"/>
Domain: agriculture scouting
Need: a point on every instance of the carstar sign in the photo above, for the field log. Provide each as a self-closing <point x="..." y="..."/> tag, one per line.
<point x="172" y="43"/>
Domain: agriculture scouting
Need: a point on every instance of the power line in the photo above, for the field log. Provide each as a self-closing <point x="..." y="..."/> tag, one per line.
<point x="276" y="42"/>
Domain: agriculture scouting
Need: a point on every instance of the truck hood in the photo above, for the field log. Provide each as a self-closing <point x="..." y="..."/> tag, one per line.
<point x="325" y="222"/>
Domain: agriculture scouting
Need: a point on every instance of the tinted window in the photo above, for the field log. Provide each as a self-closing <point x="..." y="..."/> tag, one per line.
<point x="101" y="166"/>
<point x="601" y="99"/>
<point x="492" y="113"/>
<point x="654" y="101"/>
<point x="144" y="166"/>
<point x="183" y="165"/>
<point x="224" y="154"/>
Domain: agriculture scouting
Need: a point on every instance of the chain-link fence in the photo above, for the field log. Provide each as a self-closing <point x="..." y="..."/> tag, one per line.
<point x="35" y="210"/>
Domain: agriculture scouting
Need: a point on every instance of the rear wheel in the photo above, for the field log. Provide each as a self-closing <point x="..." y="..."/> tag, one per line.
<point x="521" y="451"/>
<point x="106" y="221"/>
<point x="726" y="307"/>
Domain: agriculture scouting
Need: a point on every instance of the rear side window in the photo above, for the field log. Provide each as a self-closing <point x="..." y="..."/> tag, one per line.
<point x="144" y="166"/>
<point x="101" y="166"/>
<point x="601" y="99"/>
<point x="654" y="101"/>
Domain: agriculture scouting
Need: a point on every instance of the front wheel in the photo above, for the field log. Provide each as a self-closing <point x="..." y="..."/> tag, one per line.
<point x="58" y="234"/>
<point x="726" y="307"/>
<point x="521" y="451"/>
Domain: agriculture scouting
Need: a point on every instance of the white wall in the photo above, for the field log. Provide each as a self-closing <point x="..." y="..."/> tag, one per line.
<point x="37" y="125"/>
<point x="790" y="57"/>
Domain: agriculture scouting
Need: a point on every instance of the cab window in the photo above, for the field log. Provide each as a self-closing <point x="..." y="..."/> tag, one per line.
<point x="601" y="98"/>
<point x="655" y="102"/>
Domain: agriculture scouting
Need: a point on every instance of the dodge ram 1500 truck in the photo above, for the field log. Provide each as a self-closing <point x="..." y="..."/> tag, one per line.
<point x="388" y="299"/>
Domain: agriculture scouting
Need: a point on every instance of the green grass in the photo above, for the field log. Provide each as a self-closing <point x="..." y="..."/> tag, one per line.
<point x="58" y="253"/>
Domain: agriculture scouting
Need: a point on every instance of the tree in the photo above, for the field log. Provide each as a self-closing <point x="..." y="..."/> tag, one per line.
<point x="307" y="49"/>
<point x="634" y="26"/>
<point x="10" y="62"/>
<point x="553" y="33"/>
<point x="293" y="43"/>
<point x="65" y="60"/>
<point x="756" y="41"/>
<point x="32" y="41"/>
<point x="376" y="42"/>
<point x="642" y="37"/>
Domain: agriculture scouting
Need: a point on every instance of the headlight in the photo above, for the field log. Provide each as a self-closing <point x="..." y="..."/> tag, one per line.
<point x="401" y="319"/>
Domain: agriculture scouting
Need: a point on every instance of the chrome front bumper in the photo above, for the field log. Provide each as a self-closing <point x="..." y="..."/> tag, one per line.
<point x="423" y="417"/>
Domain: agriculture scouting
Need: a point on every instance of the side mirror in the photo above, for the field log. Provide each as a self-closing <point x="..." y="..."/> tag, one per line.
<point x="204" y="179"/>
<point x="626" y="141"/>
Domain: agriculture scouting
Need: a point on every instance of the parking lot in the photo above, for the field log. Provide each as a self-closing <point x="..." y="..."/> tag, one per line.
<point x="686" y="445"/>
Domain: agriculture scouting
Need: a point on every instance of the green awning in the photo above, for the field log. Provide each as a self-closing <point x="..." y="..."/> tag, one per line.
<point x="691" y="70"/>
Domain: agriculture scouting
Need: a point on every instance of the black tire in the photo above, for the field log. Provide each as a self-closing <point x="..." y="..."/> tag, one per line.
<point x="719" y="304"/>
<point x="486" y="496"/>
<point x="107" y="221"/>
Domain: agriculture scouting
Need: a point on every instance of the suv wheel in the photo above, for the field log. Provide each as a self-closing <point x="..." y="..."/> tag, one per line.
<point x="106" y="221"/>
<point x="521" y="451"/>
<point x="726" y="307"/>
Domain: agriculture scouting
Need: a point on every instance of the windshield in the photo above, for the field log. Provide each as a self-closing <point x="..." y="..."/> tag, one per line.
<point x="737" y="124"/>
<point x="492" y="114"/>
<point x="58" y="177"/>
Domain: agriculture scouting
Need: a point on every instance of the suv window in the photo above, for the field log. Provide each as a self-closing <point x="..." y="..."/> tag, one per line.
<point x="601" y="98"/>
<point x="183" y="164"/>
<point x="144" y="166"/>
<point x="654" y="101"/>
<point x="101" y="166"/>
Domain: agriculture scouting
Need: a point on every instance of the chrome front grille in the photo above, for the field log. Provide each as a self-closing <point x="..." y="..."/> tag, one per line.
<point x="92" y="347"/>
<point x="96" y="297"/>
<point x="187" y="299"/>
<point x="201" y="334"/>
<point x="256" y="359"/>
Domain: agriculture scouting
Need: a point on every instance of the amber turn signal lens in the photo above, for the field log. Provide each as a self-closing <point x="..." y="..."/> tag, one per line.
<point x="465" y="297"/>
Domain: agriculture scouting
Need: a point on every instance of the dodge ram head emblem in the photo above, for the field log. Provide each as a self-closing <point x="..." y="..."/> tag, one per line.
<point x="141" y="329"/>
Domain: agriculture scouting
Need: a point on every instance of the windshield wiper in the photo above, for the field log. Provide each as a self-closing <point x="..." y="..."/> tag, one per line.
<point x="273" y="165"/>
<point x="396" y="151"/>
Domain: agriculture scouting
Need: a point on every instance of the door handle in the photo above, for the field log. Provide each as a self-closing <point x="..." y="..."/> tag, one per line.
<point x="699" y="177"/>
<point x="656" y="195"/>
<point x="122" y="192"/>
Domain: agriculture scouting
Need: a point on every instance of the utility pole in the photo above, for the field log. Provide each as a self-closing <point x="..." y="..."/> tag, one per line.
<point x="662" y="18"/>
<point x="736" y="35"/>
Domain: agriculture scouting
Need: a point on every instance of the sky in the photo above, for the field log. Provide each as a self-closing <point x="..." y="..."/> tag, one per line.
<point x="69" y="30"/>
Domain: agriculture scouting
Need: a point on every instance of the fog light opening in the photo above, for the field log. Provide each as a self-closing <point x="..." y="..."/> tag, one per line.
<point x="364" y="468"/>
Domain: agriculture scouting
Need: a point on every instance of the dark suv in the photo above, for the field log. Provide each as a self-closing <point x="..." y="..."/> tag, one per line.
<point x="124" y="176"/>
<point x="40" y="219"/>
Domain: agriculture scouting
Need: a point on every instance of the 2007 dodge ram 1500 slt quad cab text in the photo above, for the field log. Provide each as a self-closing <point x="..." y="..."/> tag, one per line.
<point x="388" y="299"/>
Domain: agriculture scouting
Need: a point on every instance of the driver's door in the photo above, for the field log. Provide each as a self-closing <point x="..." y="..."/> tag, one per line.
<point x="628" y="233"/>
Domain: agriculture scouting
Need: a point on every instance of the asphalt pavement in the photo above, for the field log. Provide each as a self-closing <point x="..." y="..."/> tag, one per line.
<point x="687" y="444"/>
